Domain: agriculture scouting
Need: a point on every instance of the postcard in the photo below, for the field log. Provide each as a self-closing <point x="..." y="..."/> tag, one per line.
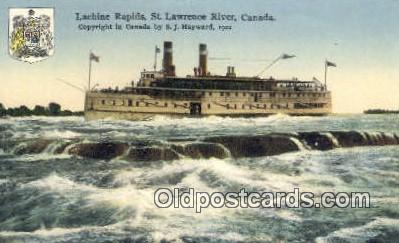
<point x="199" y="121"/>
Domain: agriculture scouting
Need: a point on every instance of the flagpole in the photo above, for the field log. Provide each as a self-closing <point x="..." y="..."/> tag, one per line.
<point x="325" y="74"/>
<point x="89" y="69"/>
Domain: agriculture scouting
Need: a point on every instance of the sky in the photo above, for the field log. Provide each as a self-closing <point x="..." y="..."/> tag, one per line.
<point x="360" y="36"/>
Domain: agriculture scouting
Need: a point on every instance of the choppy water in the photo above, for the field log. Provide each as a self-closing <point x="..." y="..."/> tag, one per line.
<point x="58" y="197"/>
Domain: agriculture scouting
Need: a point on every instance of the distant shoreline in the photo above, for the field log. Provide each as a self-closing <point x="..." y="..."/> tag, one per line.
<point x="380" y="111"/>
<point x="53" y="109"/>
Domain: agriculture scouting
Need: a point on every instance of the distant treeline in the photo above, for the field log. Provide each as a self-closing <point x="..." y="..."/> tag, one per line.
<point x="53" y="109"/>
<point x="380" y="111"/>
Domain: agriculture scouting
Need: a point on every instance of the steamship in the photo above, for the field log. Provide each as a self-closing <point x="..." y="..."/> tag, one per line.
<point x="161" y="92"/>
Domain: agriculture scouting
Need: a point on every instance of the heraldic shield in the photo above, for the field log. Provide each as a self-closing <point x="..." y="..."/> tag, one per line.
<point x="31" y="33"/>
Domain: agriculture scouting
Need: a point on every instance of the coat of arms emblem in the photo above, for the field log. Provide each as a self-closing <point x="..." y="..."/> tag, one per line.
<point x="31" y="37"/>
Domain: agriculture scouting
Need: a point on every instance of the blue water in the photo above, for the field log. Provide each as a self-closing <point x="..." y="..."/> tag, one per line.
<point x="51" y="197"/>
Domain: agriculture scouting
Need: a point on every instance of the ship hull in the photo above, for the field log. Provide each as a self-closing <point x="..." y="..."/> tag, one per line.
<point x="136" y="116"/>
<point x="132" y="106"/>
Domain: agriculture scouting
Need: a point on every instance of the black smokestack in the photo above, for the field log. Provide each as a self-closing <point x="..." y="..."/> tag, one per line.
<point x="203" y="60"/>
<point x="168" y="66"/>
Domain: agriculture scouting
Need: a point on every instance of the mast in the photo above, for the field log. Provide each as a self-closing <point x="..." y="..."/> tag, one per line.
<point x="326" y="65"/>
<point x="89" y="70"/>
<point x="325" y="74"/>
<point x="91" y="58"/>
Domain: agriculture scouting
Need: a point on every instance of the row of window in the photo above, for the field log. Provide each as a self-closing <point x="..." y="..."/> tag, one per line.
<point x="308" y="105"/>
<point x="237" y="94"/>
<point x="228" y="106"/>
<point x="147" y="75"/>
<point x="234" y="84"/>
<point x="199" y="94"/>
<point x="140" y="103"/>
<point x="257" y="106"/>
<point x="260" y="95"/>
<point x="212" y="84"/>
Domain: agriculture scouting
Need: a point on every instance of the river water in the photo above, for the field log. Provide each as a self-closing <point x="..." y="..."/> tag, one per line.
<point x="50" y="196"/>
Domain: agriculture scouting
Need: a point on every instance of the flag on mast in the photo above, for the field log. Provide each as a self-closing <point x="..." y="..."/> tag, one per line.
<point x="94" y="57"/>
<point x="286" y="56"/>
<point x="327" y="64"/>
<point x="330" y="64"/>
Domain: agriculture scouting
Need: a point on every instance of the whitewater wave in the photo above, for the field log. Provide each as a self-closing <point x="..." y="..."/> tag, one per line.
<point x="56" y="183"/>
<point x="67" y="180"/>
<point x="38" y="157"/>
<point x="379" y="228"/>
<point x="61" y="134"/>
<point x="54" y="119"/>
